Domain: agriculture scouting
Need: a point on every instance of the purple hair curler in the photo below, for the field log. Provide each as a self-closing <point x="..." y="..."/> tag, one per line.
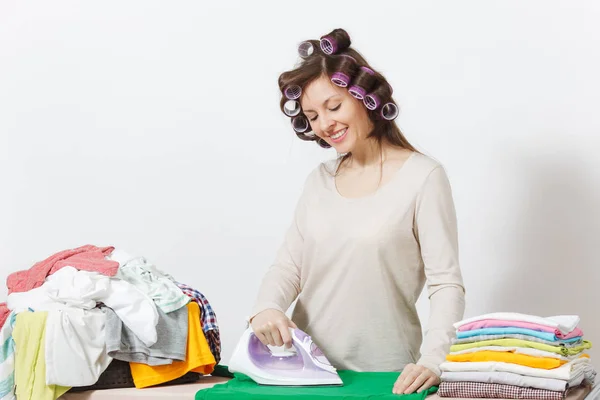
<point x="389" y="111"/>
<point x="371" y="101"/>
<point x="357" y="92"/>
<point x="305" y="49"/>
<point x="340" y="79"/>
<point x="328" y="45"/>
<point x="300" y="123"/>
<point x="291" y="108"/>
<point x="368" y="70"/>
<point x="293" y="92"/>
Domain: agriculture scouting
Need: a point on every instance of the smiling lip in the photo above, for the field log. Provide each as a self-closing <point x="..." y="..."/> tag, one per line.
<point x="339" y="139"/>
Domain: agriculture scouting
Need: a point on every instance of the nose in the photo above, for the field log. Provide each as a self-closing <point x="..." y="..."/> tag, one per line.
<point x="327" y="125"/>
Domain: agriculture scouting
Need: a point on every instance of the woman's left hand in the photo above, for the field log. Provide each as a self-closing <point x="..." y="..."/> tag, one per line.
<point x="415" y="378"/>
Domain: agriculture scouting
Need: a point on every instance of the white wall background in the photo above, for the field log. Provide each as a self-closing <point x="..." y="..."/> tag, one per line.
<point x="154" y="126"/>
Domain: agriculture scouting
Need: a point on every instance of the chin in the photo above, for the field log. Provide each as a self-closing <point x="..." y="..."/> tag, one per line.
<point x="344" y="147"/>
<point x="341" y="149"/>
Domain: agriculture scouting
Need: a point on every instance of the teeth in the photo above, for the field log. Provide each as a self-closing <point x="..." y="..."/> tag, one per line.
<point x="339" y="134"/>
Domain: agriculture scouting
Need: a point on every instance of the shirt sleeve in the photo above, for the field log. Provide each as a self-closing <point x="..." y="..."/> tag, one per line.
<point x="436" y="231"/>
<point x="281" y="284"/>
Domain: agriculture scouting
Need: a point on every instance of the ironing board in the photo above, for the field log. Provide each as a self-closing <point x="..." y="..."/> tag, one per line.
<point x="188" y="391"/>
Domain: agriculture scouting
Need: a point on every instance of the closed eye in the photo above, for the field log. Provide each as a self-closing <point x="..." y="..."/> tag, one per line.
<point x="331" y="109"/>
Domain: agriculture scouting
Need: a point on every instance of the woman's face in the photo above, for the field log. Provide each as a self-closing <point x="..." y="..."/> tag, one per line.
<point x="335" y="116"/>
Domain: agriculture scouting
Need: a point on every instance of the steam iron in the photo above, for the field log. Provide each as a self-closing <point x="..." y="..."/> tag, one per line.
<point x="302" y="365"/>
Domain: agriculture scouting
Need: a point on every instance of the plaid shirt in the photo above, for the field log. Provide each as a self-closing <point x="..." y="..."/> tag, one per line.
<point x="209" y="319"/>
<point x="479" y="390"/>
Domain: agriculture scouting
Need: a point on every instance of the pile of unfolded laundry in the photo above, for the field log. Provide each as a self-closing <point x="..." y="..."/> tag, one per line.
<point x="69" y="316"/>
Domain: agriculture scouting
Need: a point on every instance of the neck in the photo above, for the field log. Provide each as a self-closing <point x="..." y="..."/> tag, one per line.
<point x="369" y="153"/>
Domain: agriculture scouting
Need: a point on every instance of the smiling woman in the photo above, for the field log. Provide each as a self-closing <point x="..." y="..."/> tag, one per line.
<point x="359" y="88"/>
<point x="370" y="229"/>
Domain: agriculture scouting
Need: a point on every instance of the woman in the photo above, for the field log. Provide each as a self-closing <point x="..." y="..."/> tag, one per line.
<point x="370" y="229"/>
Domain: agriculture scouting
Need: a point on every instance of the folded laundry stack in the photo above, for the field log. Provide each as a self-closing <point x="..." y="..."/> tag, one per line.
<point x="516" y="356"/>
<point x="69" y="316"/>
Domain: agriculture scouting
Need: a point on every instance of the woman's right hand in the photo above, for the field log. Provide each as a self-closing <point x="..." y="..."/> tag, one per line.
<point x="272" y="328"/>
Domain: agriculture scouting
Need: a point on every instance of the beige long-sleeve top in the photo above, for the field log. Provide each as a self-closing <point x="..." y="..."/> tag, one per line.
<point x="357" y="266"/>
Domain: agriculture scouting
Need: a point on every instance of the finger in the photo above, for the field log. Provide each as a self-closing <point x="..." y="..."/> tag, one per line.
<point x="400" y="381"/>
<point x="269" y="338"/>
<point x="292" y="324"/>
<point x="401" y="388"/>
<point x="428" y="383"/>
<point x="419" y="380"/>
<point x="262" y="337"/>
<point x="285" y="334"/>
<point x="274" y="330"/>
<point x="409" y="375"/>
<point x="396" y="384"/>
<point x="406" y="371"/>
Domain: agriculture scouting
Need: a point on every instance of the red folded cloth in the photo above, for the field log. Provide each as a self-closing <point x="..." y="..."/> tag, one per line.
<point x="480" y="390"/>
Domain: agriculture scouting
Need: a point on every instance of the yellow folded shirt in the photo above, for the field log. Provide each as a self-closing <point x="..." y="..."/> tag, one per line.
<point x="198" y="357"/>
<point x="507" y="357"/>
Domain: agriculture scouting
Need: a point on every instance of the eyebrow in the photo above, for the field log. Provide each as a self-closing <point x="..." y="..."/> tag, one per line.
<point x="324" y="103"/>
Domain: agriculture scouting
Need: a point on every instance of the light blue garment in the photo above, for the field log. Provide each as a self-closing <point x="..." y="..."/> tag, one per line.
<point x="7" y="359"/>
<point x="150" y="281"/>
<point x="551" y="337"/>
<point x="516" y="336"/>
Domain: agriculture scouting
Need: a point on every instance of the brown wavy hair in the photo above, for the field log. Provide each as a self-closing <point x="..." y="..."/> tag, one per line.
<point x="350" y="62"/>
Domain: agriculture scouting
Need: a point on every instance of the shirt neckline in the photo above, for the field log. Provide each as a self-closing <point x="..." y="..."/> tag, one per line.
<point x="379" y="190"/>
